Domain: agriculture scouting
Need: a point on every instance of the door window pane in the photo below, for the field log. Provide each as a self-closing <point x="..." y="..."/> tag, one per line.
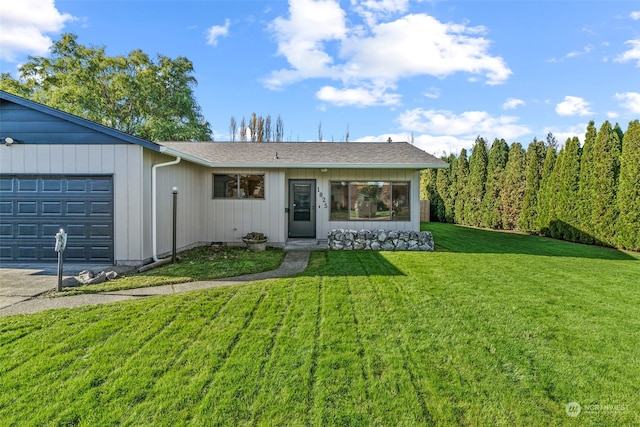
<point x="301" y="202"/>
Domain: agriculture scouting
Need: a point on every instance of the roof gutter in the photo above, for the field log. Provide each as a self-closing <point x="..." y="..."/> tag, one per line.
<point x="185" y="156"/>
<point x="154" y="208"/>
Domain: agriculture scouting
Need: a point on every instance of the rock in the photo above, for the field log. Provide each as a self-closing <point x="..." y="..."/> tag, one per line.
<point x="388" y="240"/>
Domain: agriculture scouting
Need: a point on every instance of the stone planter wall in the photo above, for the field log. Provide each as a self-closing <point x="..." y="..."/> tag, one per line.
<point x="380" y="240"/>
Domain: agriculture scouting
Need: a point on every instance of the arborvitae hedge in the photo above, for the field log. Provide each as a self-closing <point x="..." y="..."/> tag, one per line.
<point x="628" y="200"/>
<point x="606" y="168"/>
<point x="545" y="210"/>
<point x="588" y="194"/>
<point x="476" y="184"/>
<point x="498" y="156"/>
<point x="535" y="161"/>
<point x="585" y="192"/>
<point x="462" y="176"/>
<point x="513" y="186"/>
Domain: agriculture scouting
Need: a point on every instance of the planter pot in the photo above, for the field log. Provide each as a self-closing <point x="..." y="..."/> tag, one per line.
<point x="256" y="246"/>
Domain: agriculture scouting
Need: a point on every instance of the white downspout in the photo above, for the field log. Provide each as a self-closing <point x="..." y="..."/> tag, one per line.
<point x="154" y="208"/>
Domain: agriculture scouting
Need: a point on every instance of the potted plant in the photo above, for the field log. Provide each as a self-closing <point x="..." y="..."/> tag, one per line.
<point x="255" y="241"/>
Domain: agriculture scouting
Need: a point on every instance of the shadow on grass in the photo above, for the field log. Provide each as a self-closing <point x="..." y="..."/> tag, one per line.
<point x="350" y="263"/>
<point x="460" y="239"/>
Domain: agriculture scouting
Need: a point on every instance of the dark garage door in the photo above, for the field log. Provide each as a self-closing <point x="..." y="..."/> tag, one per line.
<point x="34" y="208"/>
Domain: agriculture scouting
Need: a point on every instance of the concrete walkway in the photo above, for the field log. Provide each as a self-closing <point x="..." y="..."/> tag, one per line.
<point x="294" y="262"/>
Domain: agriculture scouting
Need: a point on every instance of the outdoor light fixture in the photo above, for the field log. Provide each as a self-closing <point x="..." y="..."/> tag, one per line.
<point x="8" y="140"/>
<point x="323" y="170"/>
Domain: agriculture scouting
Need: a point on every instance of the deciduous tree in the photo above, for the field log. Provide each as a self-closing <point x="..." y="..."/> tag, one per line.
<point x="150" y="99"/>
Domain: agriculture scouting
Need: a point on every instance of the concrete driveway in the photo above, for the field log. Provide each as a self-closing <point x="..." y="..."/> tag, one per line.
<point x="20" y="282"/>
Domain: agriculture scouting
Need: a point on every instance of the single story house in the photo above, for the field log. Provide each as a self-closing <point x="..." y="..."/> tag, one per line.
<point x="112" y="192"/>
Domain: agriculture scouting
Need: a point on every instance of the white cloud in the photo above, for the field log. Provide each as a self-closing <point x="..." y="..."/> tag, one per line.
<point x="441" y="130"/>
<point x="25" y="24"/>
<point x="613" y="114"/>
<point x="359" y="97"/>
<point x="318" y="42"/>
<point x="630" y="101"/>
<point x="635" y="15"/>
<point x="216" y="31"/>
<point x="374" y="10"/>
<point x="584" y="51"/>
<point x="562" y="135"/>
<point x="632" y="54"/>
<point x="512" y="103"/>
<point x="573" y="106"/>
<point x="435" y="145"/>
<point x="474" y="123"/>
<point x="433" y="93"/>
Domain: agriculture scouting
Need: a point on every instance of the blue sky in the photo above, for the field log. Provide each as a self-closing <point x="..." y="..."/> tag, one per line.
<point x="442" y="71"/>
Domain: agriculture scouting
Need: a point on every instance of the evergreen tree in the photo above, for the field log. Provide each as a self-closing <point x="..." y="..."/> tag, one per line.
<point x="535" y="161"/>
<point x="462" y="176"/>
<point x="476" y="183"/>
<point x="628" y="197"/>
<point x="606" y="168"/>
<point x="498" y="156"/>
<point x="585" y="191"/>
<point x="447" y="187"/>
<point x="444" y="186"/>
<point x="566" y="184"/>
<point x="429" y="191"/>
<point x="513" y="187"/>
<point x="545" y="210"/>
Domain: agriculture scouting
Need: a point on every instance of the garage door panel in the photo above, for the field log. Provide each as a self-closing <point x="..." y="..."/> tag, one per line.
<point x="6" y="208"/>
<point x="6" y="231"/>
<point x="27" y="208"/>
<point x="52" y="208"/>
<point x="6" y="184"/>
<point x="27" y="231"/>
<point x="27" y="185"/>
<point x="81" y="205"/>
<point x="76" y="185"/>
<point x="101" y="208"/>
<point x="51" y="186"/>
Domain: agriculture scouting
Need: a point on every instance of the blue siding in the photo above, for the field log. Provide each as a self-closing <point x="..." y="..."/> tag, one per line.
<point x="28" y="122"/>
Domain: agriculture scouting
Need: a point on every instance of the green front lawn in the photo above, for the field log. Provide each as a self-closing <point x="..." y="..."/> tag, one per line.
<point x="201" y="263"/>
<point x="491" y="329"/>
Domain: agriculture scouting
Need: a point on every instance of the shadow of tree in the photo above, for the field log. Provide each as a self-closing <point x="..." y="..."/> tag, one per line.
<point x="350" y="263"/>
<point x="460" y="239"/>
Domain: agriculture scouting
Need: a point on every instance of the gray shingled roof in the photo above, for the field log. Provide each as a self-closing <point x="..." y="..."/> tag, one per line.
<point x="304" y="154"/>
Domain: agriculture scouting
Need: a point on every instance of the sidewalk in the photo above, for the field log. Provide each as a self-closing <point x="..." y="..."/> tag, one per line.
<point x="293" y="263"/>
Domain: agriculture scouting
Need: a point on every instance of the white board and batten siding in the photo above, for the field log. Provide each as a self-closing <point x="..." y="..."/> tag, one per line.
<point x="229" y="219"/>
<point x="121" y="161"/>
<point x="190" y="179"/>
<point x="323" y="189"/>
